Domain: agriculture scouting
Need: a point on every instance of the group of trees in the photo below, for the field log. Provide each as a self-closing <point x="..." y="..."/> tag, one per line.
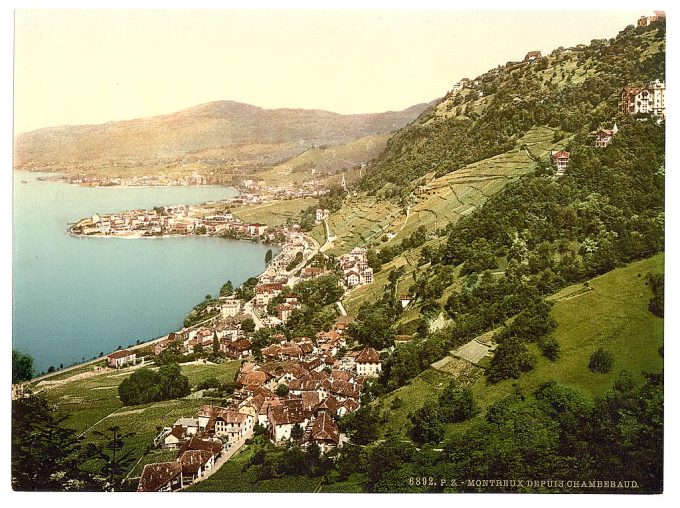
<point x="557" y="433"/>
<point x="454" y="405"/>
<point x="146" y="385"/>
<point x="331" y="202"/>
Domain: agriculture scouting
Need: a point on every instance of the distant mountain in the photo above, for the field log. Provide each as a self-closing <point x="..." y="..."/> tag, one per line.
<point x="206" y="132"/>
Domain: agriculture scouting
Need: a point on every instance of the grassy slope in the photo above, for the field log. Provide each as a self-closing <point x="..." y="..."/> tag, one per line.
<point x="93" y="404"/>
<point x="613" y="315"/>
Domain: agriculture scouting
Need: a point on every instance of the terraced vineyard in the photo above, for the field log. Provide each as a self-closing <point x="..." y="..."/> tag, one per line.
<point x="360" y="221"/>
<point x="446" y="199"/>
<point x="365" y="220"/>
<point x="274" y="213"/>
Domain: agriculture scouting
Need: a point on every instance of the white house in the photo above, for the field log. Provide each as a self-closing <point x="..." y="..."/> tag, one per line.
<point x="230" y="307"/>
<point x="121" y="358"/>
<point x="368" y="363"/>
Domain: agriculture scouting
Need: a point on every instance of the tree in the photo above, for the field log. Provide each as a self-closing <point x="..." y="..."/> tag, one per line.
<point x="657" y="301"/>
<point x="550" y="348"/>
<point x="456" y="404"/>
<point x="22" y="366"/>
<point x="363" y="426"/>
<point x="248" y="325"/>
<point x="509" y="361"/>
<point x="268" y="257"/>
<point x="227" y="289"/>
<point x="215" y="343"/>
<point x="145" y="385"/>
<point x="427" y="424"/>
<point x="372" y="328"/>
<point x="116" y="462"/>
<point x="296" y="432"/>
<point x="601" y="361"/>
<point x="45" y="455"/>
<point x="173" y="384"/>
<point x="281" y="390"/>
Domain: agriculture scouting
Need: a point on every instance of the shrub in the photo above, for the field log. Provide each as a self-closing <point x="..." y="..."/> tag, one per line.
<point x="550" y="348"/>
<point x="601" y="361"/>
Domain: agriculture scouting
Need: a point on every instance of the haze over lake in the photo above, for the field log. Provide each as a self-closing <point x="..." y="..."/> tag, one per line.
<point x="76" y="297"/>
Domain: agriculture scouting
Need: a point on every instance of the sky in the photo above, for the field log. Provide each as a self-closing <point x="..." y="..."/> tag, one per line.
<point x="93" y="66"/>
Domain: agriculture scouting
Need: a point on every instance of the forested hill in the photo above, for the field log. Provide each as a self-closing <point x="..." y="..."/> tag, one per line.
<point x="575" y="90"/>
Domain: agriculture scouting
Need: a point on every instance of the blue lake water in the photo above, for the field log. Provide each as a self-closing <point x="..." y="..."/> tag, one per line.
<point x="76" y="297"/>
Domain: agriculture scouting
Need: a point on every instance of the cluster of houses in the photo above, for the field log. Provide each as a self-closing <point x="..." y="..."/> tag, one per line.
<point x="355" y="269"/>
<point x="648" y="20"/>
<point x="195" y="457"/>
<point x="226" y="334"/>
<point x="169" y="220"/>
<point x="264" y="192"/>
<point x="137" y="181"/>
<point x="295" y="393"/>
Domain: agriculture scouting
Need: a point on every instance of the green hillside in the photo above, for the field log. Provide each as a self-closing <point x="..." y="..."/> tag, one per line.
<point x="612" y="314"/>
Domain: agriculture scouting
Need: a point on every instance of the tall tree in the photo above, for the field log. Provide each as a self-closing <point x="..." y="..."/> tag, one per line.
<point x="116" y="461"/>
<point x="22" y="366"/>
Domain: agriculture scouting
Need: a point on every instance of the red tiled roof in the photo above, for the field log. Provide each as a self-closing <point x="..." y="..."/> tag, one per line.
<point x="155" y="476"/>
<point x="351" y="405"/>
<point x="309" y="400"/>
<point x="345" y="389"/>
<point x="196" y="443"/>
<point x="253" y="378"/>
<point x="325" y="429"/>
<point x="330" y="403"/>
<point x="192" y="460"/>
<point x="561" y="154"/>
<point x="120" y="354"/>
<point x="368" y="355"/>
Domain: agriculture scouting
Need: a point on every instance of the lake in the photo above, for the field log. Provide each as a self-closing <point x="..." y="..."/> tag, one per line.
<point x="74" y="298"/>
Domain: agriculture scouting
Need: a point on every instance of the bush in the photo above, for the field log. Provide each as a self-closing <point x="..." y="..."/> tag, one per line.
<point x="211" y="382"/>
<point x="511" y="359"/>
<point x="601" y="361"/>
<point x="657" y="301"/>
<point x="550" y="348"/>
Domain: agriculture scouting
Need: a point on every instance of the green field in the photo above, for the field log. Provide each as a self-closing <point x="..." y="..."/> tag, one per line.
<point x="428" y="385"/>
<point x="93" y="404"/>
<point x="612" y="315"/>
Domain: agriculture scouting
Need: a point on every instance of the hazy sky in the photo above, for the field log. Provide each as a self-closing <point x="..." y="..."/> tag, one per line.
<point x="76" y="67"/>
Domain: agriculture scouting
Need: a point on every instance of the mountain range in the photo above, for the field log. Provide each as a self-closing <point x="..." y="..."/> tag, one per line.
<point x="216" y="138"/>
